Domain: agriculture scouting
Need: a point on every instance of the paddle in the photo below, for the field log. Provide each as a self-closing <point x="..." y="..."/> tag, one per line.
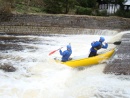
<point x="116" y="43"/>
<point x="54" y="51"/>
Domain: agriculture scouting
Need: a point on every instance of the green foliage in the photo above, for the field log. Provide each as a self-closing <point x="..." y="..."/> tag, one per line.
<point x="86" y="7"/>
<point x="5" y="6"/>
<point x="101" y="13"/>
<point x="87" y="3"/>
<point x="83" y="11"/>
<point x="59" y="6"/>
<point x="123" y="13"/>
<point x="21" y="8"/>
<point x="91" y="3"/>
<point x="121" y="1"/>
<point x="116" y="1"/>
<point x="82" y="3"/>
<point x="81" y="7"/>
<point x="53" y="6"/>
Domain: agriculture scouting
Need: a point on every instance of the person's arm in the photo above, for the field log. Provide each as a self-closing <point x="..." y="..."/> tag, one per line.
<point x="70" y="50"/>
<point x="93" y="44"/>
<point x="105" y="46"/>
<point x="62" y="53"/>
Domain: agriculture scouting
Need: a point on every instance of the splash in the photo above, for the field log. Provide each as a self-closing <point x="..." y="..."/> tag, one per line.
<point x="39" y="76"/>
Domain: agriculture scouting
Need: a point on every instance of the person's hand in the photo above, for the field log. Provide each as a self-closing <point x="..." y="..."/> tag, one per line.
<point x="104" y="42"/>
<point x="60" y="48"/>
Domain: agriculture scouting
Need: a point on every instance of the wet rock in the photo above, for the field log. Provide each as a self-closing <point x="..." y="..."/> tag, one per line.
<point x="7" y="68"/>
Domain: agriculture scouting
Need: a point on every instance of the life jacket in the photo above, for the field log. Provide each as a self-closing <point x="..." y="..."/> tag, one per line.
<point x="97" y="45"/>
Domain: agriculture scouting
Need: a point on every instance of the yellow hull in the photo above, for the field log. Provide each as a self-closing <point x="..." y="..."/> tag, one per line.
<point x="89" y="61"/>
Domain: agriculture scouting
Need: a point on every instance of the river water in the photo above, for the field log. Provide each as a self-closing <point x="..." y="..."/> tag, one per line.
<point x="39" y="76"/>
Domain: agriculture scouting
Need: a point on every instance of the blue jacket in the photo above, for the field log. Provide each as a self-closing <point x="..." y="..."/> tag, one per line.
<point x="66" y="54"/>
<point x="97" y="45"/>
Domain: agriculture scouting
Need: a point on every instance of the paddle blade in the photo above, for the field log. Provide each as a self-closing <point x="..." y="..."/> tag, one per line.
<point x="117" y="43"/>
<point x="52" y="52"/>
<point x="55" y="51"/>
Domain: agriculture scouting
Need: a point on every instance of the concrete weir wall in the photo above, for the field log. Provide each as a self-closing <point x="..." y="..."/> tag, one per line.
<point x="120" y="62"/>
<point x="63" y="24"/>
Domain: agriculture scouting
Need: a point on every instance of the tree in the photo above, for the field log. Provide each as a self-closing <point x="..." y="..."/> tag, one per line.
<point x="121" y="3"/>
<point x="5" y="6"/>
<point x="87" y="3"/>
<point x="59" y="6"/>
<point x="86" y="7"/>
<point x="83" y="3"/>
<point x="91" y="3"/>
<point x="68" y="4"/>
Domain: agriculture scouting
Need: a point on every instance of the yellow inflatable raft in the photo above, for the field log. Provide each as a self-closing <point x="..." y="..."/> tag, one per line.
<point x="88" y="61"/>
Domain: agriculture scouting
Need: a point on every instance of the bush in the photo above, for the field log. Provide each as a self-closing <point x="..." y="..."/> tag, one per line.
<point x="123" y="13"/>
<point x="83" y="11"/>
<point x="101" y="13"/>
<point x="5" y="7"/>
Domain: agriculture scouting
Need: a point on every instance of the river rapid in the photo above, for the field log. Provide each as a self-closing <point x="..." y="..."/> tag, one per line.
<point x="37" y="75"/>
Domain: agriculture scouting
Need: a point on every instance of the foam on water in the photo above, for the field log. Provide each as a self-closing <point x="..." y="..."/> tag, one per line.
<point x="39" y="76"/>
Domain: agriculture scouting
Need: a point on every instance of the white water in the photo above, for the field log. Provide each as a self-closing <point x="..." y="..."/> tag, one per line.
<point x="38" y="76"/>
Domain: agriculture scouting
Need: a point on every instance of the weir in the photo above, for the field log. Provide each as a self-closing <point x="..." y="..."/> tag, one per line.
<point x="120" y="62"/>
<point x="60" y="24"/>
<point x="73" y="24"/>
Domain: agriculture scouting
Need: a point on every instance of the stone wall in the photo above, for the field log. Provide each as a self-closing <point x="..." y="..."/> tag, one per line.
<point x="42" y="24"/>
